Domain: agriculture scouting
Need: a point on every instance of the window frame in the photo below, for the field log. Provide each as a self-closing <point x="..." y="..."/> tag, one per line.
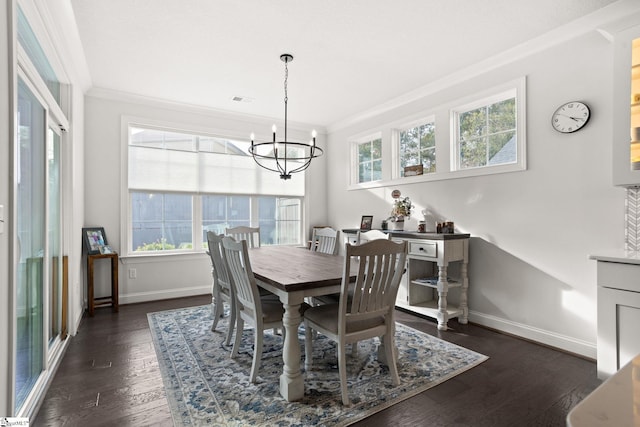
<point x="517" y="89"/>
<point x="397" y="156"/>
<point x="354" y="144"/>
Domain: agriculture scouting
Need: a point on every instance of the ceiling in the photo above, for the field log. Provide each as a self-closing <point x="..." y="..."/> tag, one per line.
<point x="349" y="56"/>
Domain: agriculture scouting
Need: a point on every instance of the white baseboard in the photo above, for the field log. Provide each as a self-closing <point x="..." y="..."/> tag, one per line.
<point x="563" y="342"/>
<point x="163" y="294"/>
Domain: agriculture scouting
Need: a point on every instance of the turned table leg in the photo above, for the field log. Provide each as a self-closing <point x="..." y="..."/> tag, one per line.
<point x="291" y="380"/>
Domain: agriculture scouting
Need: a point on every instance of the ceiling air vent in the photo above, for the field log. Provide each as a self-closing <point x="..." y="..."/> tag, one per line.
<point x="241" y="99"/>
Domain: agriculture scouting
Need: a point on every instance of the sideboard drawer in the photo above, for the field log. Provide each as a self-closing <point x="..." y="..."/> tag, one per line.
<point x="619" y="276"/>
<point x="427" y="249"/>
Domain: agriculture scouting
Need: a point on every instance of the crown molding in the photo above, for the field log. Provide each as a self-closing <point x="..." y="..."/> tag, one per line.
<point x="610" y="19"/>
<point x="120" y="96"/>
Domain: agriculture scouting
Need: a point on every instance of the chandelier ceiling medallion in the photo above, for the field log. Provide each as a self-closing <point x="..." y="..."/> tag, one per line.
<point x="284" y="157"/>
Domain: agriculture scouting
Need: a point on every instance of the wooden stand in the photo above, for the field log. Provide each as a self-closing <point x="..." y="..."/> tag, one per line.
<point x="110" y="300"/>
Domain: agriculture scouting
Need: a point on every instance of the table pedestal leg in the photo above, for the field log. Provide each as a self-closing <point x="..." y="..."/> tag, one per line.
<point x="291" y="381"/>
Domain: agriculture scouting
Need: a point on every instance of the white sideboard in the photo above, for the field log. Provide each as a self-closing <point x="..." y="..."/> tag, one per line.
<point x="618" y="310"/>
<point x="425" y="286"/>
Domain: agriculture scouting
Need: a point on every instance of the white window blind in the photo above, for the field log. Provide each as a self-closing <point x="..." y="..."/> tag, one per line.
<point x="169" y="161"/>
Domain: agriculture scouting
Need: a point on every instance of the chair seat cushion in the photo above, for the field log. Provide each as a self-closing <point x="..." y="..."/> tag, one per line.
<point x="327" y="316"/>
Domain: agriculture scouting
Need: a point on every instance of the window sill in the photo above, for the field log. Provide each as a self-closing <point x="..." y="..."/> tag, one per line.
<point x="436" y="176"/>
<point x="166" y="257"/>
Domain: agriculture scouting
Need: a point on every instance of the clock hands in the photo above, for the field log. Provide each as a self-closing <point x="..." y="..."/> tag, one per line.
<point x="575" y="119"/>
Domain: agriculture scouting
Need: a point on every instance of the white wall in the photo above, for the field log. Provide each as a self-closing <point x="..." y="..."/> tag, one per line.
<point x="168" y="276"/>
<point x="532" y="231"/>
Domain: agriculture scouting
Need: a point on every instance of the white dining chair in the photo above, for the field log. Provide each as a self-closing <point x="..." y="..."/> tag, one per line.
<point x="222" y="290"/>
<point x="367" y="236"/>
<point x="261" y="313"/>
<point x="250" y="234"/>
<point x="324" y="240"/>
<point x="369" y="312"/>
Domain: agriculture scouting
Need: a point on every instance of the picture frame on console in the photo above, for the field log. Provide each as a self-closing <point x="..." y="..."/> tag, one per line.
<point x="365" y="222"/>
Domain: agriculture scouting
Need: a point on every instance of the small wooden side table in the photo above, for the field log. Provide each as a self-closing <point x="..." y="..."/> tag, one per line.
<point x="109" y="300"/>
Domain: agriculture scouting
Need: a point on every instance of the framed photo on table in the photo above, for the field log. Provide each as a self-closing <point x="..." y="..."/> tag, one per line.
<point x="94" y="240"/>
<point x="365" y="223"/>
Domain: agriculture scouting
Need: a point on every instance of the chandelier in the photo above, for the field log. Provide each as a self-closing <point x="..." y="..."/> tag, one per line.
<point x="284" y="157"/>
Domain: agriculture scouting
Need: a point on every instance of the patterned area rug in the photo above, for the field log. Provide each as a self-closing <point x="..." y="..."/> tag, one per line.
<point x="205" y="386"/>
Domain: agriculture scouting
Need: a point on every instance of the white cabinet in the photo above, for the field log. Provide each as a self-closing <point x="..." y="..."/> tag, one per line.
<point x="425" y="286"/>
<point x="618" y="311"/>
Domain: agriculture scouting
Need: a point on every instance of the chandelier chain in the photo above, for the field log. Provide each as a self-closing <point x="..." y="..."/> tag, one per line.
<point x="286" y="77"/>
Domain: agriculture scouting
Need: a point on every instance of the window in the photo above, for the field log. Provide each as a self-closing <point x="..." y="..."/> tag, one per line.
<point x="417" y="149"/>
<point x="369" y="160"/>
<point x="181" y="185"/>
<point x="161" y="222"/>
<point x="486" y="132"/>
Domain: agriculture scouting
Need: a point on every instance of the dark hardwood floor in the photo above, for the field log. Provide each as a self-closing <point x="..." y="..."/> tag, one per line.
<point x="109" y="377"/>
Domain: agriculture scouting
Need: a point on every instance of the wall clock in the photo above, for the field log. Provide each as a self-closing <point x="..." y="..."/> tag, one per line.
<point x="570" y="117"/>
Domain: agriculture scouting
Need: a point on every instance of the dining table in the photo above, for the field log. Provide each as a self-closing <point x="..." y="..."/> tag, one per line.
<point x="293" y="274"/>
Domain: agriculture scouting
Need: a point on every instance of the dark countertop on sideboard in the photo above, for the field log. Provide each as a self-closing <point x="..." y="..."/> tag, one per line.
<point x="415" y="234"/>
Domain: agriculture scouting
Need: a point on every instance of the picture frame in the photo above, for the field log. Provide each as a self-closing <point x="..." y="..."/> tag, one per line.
<point x="106" y="249"/>
<point x="365" y="222"/>
<point x="94" y="238"/>
<point x="413" y="170"/>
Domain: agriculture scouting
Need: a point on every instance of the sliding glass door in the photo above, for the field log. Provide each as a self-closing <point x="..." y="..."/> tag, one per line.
<point x="54" y="228"/>
<point x="37" y="234"/>
<point x="31" y="238"/>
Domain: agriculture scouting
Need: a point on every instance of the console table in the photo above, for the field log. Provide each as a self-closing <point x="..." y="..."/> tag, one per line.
<point x="111" y="300"/>
<point x="425" y="285"/>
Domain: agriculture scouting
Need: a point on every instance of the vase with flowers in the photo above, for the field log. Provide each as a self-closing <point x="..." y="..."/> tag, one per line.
<point x="401" y="209"/>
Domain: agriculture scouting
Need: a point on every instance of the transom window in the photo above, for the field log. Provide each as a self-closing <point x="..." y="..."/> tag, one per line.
<point x="417" y="149"/>
<point x="481" y="134"/>
<point x="487" y="133"/>
<point x="369" y="160"/>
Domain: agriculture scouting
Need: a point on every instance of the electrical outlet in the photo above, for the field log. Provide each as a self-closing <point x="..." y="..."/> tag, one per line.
<point x="132" y="273"/>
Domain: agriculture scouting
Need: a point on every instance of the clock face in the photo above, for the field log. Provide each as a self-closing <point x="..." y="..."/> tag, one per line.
<point x="570" y="117"/>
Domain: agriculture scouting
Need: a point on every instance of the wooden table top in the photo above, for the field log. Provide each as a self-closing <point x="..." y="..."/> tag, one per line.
<point x="292" y="268"/>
